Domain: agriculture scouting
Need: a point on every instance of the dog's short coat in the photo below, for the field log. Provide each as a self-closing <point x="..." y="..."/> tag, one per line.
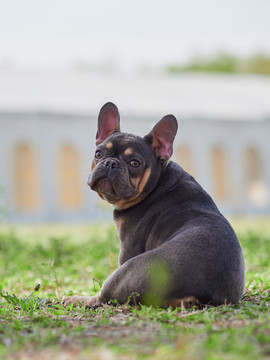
<point x="175" y="244"/>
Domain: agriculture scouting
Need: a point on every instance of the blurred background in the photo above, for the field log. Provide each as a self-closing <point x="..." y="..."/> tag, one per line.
<point x="206" y="62"/>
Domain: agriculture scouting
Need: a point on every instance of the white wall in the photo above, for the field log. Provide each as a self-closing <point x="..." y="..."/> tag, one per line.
<point x="46" y="133"/>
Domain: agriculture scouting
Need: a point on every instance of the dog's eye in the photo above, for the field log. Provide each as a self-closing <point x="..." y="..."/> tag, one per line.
<point x="134" y="163"/>
<point x="98" y="154"/>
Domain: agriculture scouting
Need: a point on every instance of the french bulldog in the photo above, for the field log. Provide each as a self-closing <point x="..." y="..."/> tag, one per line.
<point x="175" y="245"/>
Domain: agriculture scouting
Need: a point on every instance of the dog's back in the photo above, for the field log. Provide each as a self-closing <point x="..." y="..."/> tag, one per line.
<point x="186" y="230"/>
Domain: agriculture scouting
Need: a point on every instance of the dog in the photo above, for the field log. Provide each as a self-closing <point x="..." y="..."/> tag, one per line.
<point x="175" y="245"/>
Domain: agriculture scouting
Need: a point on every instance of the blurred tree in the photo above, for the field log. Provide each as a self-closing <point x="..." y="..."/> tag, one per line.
<point x="225" y="63"/>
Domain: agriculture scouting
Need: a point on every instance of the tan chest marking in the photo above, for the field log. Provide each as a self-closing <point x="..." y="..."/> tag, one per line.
<point x="118" y="224"/>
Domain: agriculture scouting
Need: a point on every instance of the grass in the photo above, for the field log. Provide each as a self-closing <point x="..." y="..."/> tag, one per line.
<point x="58" y="261"/>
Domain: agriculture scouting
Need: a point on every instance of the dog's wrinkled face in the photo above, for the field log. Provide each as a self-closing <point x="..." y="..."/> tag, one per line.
<point x="127" y="167"/>
<point x="121" y="169"/>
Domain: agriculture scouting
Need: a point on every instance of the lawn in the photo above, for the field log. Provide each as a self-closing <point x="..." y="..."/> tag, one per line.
<point x="41" y="264"/>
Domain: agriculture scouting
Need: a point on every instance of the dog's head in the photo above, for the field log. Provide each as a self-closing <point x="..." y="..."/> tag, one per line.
<point x="126" y="167"/>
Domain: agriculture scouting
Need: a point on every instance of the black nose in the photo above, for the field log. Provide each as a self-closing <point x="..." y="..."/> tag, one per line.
<point x="111" y="164"/>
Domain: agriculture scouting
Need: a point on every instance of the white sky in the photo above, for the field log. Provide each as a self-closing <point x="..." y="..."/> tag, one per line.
<point x="129" y="32"/>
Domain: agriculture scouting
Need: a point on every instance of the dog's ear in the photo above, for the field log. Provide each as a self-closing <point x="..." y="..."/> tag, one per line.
<point x="108" y="122"/>
<point x="162" y="136"/>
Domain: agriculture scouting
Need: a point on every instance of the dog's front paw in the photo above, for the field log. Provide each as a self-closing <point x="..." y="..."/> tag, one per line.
<point x="87" y="301"/>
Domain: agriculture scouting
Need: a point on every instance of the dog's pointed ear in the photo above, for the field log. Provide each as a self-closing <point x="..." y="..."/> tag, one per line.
<point x="162" y="136"/>
<point x="108" y="122"/>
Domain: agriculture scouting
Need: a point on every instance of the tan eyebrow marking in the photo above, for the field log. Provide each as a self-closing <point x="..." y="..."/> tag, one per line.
<point x="109" y="145"/>
<point x="128" y="151"/>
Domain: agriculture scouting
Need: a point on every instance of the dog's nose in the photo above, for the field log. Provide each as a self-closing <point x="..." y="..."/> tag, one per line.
<point x="111" y="164"/>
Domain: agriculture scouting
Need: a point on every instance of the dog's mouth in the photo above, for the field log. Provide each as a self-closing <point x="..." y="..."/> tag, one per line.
<point x="111" y="187"/>
<point x="104" y="186"/>
<point x="105" y="190"/>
